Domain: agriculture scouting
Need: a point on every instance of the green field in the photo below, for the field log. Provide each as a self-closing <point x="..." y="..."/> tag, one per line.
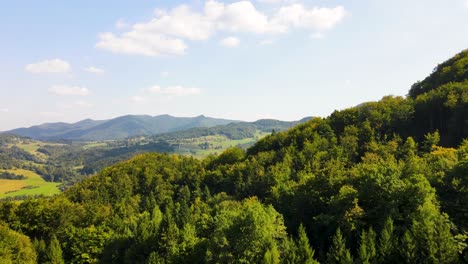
<point x="32" y="185"/>
<point x="33" y="146"/>
<point x="214" y="144"/>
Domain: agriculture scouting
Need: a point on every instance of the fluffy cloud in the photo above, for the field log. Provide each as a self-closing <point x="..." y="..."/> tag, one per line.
<point x="68" y="90"/>
<point x="181" y="22"/>
<point x="141" y="43"/>
<point x="174" y="90"/>
<point x="95" y="70"/>
<point x="316" y="19"/>
<point x="49" y="66"/>
<point x="276" y="1"/>
<point x="4" y="110"/>
<point x="242" y="16"/>
<point x="168" y="31"/>
<point x="230" y="42"/>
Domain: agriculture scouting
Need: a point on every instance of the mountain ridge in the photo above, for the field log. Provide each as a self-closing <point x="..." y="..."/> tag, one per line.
<point x="128" y="126"/>
<point x="116" y="128"/>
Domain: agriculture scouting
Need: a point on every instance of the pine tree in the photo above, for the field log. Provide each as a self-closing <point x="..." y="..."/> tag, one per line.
<point x="272" y="255"/>
<point x="154" y="258"/>
<point x="446" y="246"/>
<point x="338" y="253"/>
<point x="386" y="242"/>
<point x="290" y="252"/>
<point x="407" y="248"/>
<point x="367" y="251"/>
<point x="305" y="253"/>
<point x="54" y="254"/>
<point x="41" y="250"/>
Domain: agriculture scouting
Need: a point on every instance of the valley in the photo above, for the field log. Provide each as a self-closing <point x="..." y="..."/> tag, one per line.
<point x="48" y="165"/>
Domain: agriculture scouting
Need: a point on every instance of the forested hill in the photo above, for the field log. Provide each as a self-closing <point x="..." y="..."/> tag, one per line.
<point x="454" y="70"/>
<point x="117" y="128"/>
<point x="237" y="130"/>
<point x="384" y="182"/>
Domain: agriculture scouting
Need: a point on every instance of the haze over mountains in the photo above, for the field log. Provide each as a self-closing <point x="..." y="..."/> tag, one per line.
<point x="117" y="128"/>
<point x="128" y="126"/>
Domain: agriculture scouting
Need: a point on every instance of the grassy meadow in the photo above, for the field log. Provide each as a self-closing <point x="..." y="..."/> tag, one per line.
<point x="32" y="185"/>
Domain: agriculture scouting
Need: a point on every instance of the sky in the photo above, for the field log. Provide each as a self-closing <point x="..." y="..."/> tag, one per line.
<point x="245" y="60"/>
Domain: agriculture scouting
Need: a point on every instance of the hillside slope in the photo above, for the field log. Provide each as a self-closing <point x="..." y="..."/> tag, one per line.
<point x="374" y="183"/>
<point x="117" y="128"/>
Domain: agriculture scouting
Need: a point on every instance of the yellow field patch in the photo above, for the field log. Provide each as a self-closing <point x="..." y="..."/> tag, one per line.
<point x="35" y="183"/>
<point x="11" y="185"/>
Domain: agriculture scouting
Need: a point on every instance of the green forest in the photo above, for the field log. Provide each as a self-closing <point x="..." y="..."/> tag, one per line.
<point x="382" y="182"/>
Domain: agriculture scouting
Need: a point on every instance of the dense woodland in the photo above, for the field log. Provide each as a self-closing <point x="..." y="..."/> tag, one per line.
<point x="383" y="182"/>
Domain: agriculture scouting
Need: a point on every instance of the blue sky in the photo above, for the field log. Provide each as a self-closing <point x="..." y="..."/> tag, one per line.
<point x="246" y="60"/>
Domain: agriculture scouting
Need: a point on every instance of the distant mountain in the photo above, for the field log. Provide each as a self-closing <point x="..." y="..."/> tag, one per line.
<point x="234" y="131"/>
<point x="117" y="128"/>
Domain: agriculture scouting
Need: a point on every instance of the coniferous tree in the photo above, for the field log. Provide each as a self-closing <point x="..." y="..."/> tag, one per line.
<point x="41" y="250"/>
<point x="338" y="253"/>
<point x="305" y="254"/>
<point x="272" y="255"/>
<point x="54" y="252"/>
<point x="407" y="248"/>
<point x="386" y="242"/>
<point x="367" y="251"/>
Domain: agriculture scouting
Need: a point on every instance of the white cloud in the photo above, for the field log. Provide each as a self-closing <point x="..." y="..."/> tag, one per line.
<point x="164" y="74"/>
<point x="316" y="19"/>
<point x="276" y="1"/>
<point x="167" y="32"/>
<point x="242" y="16"/>
<point x="180" y="22"/>
<point x="270" y="1"/>
<point x="68" y="90"/>
<point x="141" y="43"/>
<point x="95" y="70"/>
<point x="230" y="42"/>
<point x="174" y="90"/>
<point x="466" y="3"/>
<point x="49" y="66"/>
<point x="4" y="110"/>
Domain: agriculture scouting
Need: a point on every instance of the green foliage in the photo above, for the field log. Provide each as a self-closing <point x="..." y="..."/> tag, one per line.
<point x="305" y="254"/>
<point x="398" y="165"/>
<point x="367" y="252"/>
<point x="387" y="242"/>
<point x="338" y="253"/>
<point x="15" y="247"/>
<point x="245" y="232"/>
<point x="453" y="70"/>
<point x="54" y="252"/>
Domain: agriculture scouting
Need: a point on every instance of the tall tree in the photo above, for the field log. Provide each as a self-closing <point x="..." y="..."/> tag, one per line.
<point x="305" y="253"/>
<point x="367" y="251"/>
<point x="54" y="253"/>
<point x="386" y="242"/>
<point x="338" y="253"/>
